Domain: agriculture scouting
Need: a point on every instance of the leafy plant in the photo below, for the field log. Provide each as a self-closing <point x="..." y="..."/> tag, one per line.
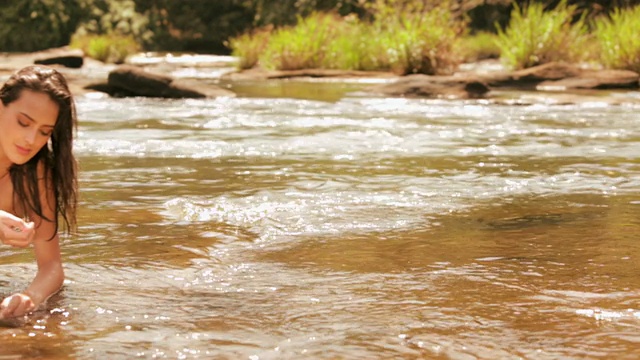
<point x="249" y="46"/>
<point x="111" y="48"/>
<point x="303" y="46"/>
<point x="29" y="25"/>
<point x="418" y="41"/>
<point x="618" y="37"/>
<point x="535" y="36"/>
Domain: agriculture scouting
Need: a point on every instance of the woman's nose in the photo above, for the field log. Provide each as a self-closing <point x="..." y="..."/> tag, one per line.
<point x="31" y="136"/>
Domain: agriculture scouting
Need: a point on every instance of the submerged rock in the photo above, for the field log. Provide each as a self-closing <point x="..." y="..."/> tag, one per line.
<point x="434" y="86"/>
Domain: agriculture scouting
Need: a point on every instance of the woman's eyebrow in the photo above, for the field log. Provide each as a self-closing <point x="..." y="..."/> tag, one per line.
<point x="32" y="119"/>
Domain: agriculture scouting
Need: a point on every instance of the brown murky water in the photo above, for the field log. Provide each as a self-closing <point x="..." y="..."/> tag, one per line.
<point x="345" y="227"/>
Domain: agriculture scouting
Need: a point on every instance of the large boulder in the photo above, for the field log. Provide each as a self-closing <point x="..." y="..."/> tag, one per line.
<point x="65" y="56"/>
<point x="138" y="81"/>
<point x="127" y="80"/>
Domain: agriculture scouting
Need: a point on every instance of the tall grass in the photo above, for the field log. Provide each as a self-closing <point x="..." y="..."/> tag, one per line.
<point x="411" y="36"/>
<point x="535" y="36"/>
<point x="619" y="39"/>
<point x="422" y="42"/>
<point x="303" y="46"/>
<point x="479" y="46"/>
<point x="248" y="47"/>
<point x="404" y="42"/>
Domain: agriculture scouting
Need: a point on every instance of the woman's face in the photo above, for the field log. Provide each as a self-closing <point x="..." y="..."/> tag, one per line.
<point x="27" y="124"/>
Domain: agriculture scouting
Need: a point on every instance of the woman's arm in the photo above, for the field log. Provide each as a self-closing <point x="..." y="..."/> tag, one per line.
<point x="47" y="282"/>
<point x="50" y="274"/>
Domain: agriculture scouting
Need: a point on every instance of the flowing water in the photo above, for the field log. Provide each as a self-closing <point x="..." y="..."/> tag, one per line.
<point x="305" y="220"/>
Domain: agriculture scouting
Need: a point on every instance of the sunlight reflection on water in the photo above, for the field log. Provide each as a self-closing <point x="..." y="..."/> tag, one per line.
<point x="357" y="228"/>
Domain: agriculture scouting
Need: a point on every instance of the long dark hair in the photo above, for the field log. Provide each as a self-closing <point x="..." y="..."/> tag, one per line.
<point x="60" y="167"/>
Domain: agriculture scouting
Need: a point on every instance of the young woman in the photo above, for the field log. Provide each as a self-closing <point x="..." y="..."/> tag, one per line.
<point x="38" y="184"/>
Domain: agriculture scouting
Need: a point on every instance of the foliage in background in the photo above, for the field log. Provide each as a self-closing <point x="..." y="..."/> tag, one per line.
<point x="195" y="25"/>
<point x="249" y="46"/>
<point x="352" y="47"/>
<point x="111" y="31"/>
<point x="419" y="37"/>
<point x="303" y="46"/>
<point x="403" y="41"/>
<point x="171" y="25"/>
<point x="109" y="48"/>
<point x="30" y="25"/>
<point x="478" y="46"/>
<point x="103" y="17"/>
<point x="536" y="36"/>
<point x="402" y="36"/>
<point x="286" y="12"/>
<point x="619" y="39"/>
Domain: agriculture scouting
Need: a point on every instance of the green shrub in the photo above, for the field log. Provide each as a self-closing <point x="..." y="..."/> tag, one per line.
<point x="111" y="31"/>
<point x="248" y="47"/>
<point x="535" y="36"/>
<point x="111" y="48"/>
<point x="32" y="25"/>
<point x="302" y="46"/>
<point x="402" y="41"/>
<point x="421" y="42"/>
<point x="353" y="47"/>
<point x="618" y="37"/>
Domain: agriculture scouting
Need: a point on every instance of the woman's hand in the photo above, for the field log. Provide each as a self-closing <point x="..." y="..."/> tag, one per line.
<point x="16" y="305"/>
<point x="15" y="231"/>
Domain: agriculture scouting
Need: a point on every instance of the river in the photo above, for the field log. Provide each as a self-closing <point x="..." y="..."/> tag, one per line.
<point x="309" y="220"/>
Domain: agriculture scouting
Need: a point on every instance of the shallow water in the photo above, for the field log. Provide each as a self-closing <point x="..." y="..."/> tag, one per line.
<point x="309" y="221"/>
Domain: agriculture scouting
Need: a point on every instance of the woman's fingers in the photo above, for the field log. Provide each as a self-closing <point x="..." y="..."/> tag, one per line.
<point x="18" y="238"/>
<point x="16" y="232"/>
<point x="15" y="223"/>
<point x="15" y="305"/>
<point x="9" y="305"/>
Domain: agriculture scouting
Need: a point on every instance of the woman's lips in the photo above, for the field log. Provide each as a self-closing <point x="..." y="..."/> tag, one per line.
<point x="23" y="151"/>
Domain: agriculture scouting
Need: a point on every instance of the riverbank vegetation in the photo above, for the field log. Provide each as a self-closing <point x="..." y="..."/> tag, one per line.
<point x="618" y="39"/>
<point x="404" y="36"/>
<point x="536" y="36"/>
<point x="421" y="43"/>
<point x="433" y="40"/>
<point x="109" y="48"/>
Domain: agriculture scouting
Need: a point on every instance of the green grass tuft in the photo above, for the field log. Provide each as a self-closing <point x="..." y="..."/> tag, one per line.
<point x="106" y="48"/>
<point x="619" y="39"/>
<point x="404" y="42"/>
<point x="535" y="36"/>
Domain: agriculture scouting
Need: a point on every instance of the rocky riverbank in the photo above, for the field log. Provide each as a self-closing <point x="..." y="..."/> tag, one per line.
<point x="549" y="83"/>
